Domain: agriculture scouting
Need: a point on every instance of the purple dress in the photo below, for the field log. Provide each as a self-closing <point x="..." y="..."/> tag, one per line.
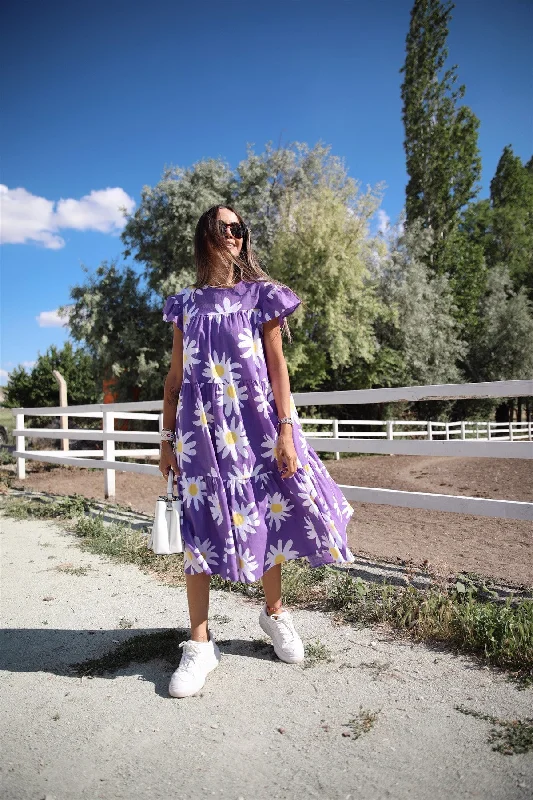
<point x="239" y="516"/>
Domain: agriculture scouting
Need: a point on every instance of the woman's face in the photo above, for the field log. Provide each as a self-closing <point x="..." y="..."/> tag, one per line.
<point x="234" y="245"/>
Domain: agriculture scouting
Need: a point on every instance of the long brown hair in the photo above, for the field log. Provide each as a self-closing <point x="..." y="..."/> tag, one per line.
<point x="209" y="240"/>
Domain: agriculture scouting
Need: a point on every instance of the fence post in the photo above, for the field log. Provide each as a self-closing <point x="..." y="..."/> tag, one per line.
<point x="447" y="431"/>
<point x="463" y="431"/>
<point x="430" y="431"/>
<point x="109" y="454"/>
<point x="511" y="432"/>
<point x="336" y="436"/>
<point x="20" y="444"/>
<point x="390" y="429"/>
<point x="530" y="429"/>
<point x="488" y="430"/>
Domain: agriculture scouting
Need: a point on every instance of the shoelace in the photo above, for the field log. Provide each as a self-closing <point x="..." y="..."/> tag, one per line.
<point x="187" y="659"/>
<point x="286" y="629"/>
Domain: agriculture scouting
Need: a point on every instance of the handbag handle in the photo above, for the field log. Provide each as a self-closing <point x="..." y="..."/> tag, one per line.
<point x="170" y="485"/>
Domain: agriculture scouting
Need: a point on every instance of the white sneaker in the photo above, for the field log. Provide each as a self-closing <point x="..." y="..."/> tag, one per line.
<point x="287" y="644"/>
<point x="197" y="661"/>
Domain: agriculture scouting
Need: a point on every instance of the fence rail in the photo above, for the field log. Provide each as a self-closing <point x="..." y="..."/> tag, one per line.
<point x="456" y="441"/>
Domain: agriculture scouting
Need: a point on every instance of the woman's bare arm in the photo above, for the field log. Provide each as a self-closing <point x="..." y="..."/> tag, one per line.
<point x="279" y="380"/>
<point x="171" y="395"/>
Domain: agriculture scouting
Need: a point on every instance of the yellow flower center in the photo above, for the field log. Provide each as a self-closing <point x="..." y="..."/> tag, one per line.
<point x="193" y="489"/>
<point x="238" y="519"/>
<point x="276" y="508"/>
<point x="219" y="370"/>
<point x="231" y="391"/>
<point x="334" y="552"/>
<point x="254" y="346"/>
<point x="179" y="446"/>
<point x="280" y="558"/>
<point x="203" y="418"/>
<point x="185" y="357"/>
<point x="241" y="563"/>
<point x="231" y="437"/>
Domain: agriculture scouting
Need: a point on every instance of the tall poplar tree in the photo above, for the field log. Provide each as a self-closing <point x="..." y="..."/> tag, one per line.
<point x="443" y="161"/>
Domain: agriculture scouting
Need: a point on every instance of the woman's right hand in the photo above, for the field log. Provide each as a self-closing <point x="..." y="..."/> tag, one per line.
<point x="167" y="460"/>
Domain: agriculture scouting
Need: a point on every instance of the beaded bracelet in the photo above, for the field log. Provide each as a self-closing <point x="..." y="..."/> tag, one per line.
<point x="285" y="419"/>
<point x="167" y="435"/>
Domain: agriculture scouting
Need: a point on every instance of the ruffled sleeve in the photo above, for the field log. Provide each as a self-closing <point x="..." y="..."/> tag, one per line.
<point x="173" y="310"/>
<point x="276" y="301"/>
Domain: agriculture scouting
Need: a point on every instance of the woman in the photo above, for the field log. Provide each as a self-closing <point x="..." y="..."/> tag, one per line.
<point x="254" y="494"/>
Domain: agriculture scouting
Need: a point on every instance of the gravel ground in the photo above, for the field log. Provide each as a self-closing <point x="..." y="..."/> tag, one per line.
<point x="259" y="729"/>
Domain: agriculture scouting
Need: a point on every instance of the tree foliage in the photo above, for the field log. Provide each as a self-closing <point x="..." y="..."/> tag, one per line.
<point x="37" y="387"/>
<point x="442" y="156"/>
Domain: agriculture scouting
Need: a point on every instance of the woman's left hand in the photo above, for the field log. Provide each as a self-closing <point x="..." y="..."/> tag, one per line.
<point x="286" y="455"/>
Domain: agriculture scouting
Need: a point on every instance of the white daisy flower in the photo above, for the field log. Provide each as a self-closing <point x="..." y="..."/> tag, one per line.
<point x="278" y="509"/>
<point x="232" y="398"/>
<point x="193" y="491"/>
<point x="281" y="553"/>
<point x="184" y="449"/>
<point x="189" y="312"/>
<point x="269" y="447"/>
<point x="260" y="475"/>
<point x="311" y="532"/>
<point x="309" y="500"/>
<point x="264" y="401"/>
<point x="335" y="504"/>
<point x="229" y="548"/>
<point x="190" y="560"/>
<point x="207" y="551"/>
<point x="205" y="418"/>
<point x="252" y="345"/>
<point x="303" y="440"/>
<point x="231" y="439"/>
<point x="238" y="479"/>
<point x="215" y="508"/>
<point x="187" y="292"/>
<point x="245" y="520"/>
<point x="328" y="543"/>
<point x="346" y="508"/>
<point x="246" y="564"/>
<point x="221" y="369"/>
<point x="292" y="407"/>
<point x="189" y="351"/>
<point x="227" y="306"/>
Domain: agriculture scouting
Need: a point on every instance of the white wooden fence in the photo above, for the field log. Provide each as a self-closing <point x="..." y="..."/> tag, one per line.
<point x="490" y="446"/>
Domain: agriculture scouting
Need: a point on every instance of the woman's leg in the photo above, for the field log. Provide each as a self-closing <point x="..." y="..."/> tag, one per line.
<point x="272" y="588"/>
<point x="198" y="600"/>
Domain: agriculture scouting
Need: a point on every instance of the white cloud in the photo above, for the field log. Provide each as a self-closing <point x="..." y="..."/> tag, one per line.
<point x="383" y="221"/>
<point x="51" y="319"/>
<point x="4" y="373"/>
<point x="27" y="218"/>
<point x="28" y="364"/>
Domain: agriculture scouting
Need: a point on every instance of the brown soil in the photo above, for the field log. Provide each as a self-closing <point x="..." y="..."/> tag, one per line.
<point x="450" y="543"/>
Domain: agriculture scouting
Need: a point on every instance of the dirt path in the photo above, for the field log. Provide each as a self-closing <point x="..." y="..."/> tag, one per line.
<point x="260" y="729"/>
<point x="495" y="548"/>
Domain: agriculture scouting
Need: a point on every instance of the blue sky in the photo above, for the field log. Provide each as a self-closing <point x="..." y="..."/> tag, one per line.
<point x="98" y="98"/>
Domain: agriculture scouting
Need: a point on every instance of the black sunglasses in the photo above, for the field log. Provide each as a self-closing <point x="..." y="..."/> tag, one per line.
<point x="237" y="230"/>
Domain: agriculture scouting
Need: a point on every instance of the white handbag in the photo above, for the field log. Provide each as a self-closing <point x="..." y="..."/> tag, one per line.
<point x="166" y="531"/>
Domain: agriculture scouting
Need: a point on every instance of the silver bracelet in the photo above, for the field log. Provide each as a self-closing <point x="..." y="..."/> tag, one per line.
<point x="285" y="419"/>
<point x="167" y="435"/>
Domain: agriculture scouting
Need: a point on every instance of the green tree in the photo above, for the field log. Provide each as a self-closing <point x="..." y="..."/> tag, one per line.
<point x="37" y="387"/>
<point x="510" y="242"/>
<point x="321" y="251"/>
<point x="442" y="156"/>
<point x="120" y="326"/>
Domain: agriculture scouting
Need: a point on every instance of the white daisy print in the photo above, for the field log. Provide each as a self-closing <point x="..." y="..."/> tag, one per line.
<point x="269" y="447"/>
<point x="227" y="306"/>
<point x="329" y="543"/>
<point x="264" y="401"/>
<point x="238" y="479"/>
<point x="280" y="554"/>
<point x="246" y="564"/>
<point x="252" y="346"/>
<point x="245" y="519"/>
<point x="220" y="369"/>
<point x="309" y="500"/>
<point x="190" y="561"/>
<point x="260" y="475"/>
<point x="232" y="398"/>
<point x="189" y="352"/>
<point x="311" y="532"/>
<point x="207" y="551"/>
<point x="346" y="509"/>
<point x="231" y="439"/>
<point x="185" y="448"/>
<point x="205" y="418"/>
<point x="292" y="407"/>
<point x="193" y="491"/>
<point x="278" y="510"/>
<point x="189" y="312"/>
<point x="215" y="508"/>
<point x="229" y="548"/>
